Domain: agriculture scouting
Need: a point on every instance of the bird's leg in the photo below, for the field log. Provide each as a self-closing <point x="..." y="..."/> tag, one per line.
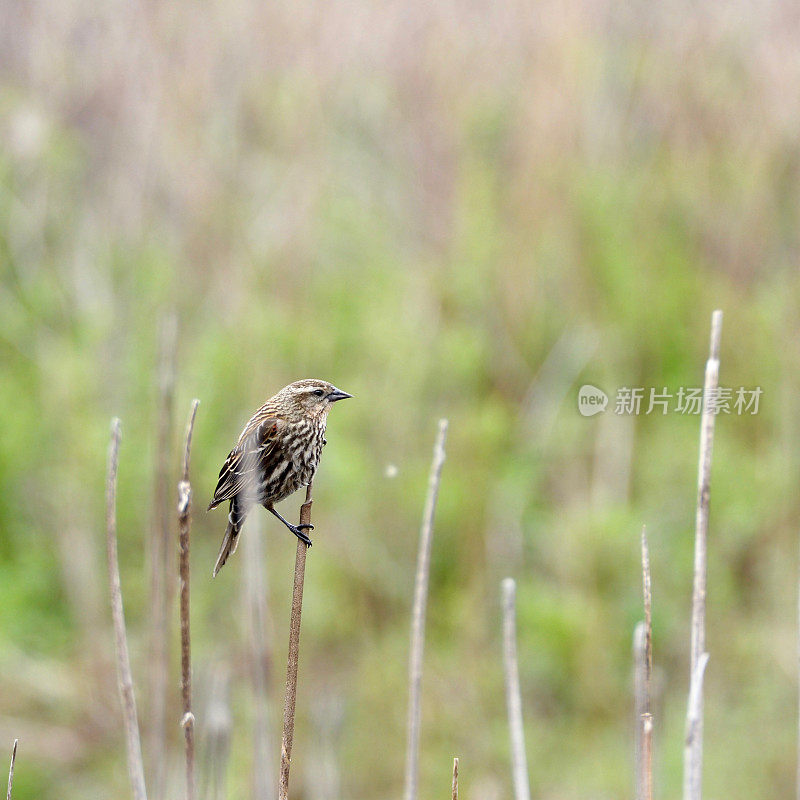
<point x="297" y="530"/>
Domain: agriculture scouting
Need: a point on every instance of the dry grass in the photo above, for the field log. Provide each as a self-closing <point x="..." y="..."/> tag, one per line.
<point x="185" y="526"/>
<point x="444" y="185"/>
<point x="693" y="764"/>
<point x="125" y="679"/>
<point x="519" y="760"/>
<point x="293" y="659"/>
<point x="417" y="647"/>
<point x="644" y="662"/>
<point x="11" y="769"/>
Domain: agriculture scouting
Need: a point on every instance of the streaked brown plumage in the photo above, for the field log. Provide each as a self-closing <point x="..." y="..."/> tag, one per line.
<point x="277" y="453"/>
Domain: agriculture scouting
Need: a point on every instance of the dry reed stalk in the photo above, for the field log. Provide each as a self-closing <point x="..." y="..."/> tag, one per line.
<point x="125" y="680"/>
<point x="294" y="652"/>
<point x="639" y="658"/>
<point x="11" y="769"/>
<point x="645" y="720"/>
<point x="693" y="756"/>
<point x="161" y="544"/>
<point x="513" y="696"/>
<point x="184" y="527"/>
<point x="418" y="615"/>
<point x="692" y="789"/>
<point x="455" y="779"/>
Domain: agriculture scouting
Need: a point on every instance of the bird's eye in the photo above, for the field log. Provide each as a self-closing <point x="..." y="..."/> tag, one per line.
<point x="318" y="393"/>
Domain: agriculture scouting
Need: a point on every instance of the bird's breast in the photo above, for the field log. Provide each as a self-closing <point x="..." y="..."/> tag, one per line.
<point x="306" y="449"/>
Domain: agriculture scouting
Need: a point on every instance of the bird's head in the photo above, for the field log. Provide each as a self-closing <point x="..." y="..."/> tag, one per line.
<point x="311" y="397"/>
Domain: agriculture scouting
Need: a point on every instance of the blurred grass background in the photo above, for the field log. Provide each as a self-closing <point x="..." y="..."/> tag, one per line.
<point x="447" y="209"/>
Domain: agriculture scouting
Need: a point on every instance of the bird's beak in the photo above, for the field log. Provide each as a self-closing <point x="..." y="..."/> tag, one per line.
<point x="338" y="394"/>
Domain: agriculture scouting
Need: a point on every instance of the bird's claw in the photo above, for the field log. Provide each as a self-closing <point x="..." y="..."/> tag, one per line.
<point x="297" y="530"/>
<point x="306" y="525"/>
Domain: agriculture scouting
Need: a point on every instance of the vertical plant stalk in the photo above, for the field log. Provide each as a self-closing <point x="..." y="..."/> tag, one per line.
<point x="519" y="764"/>
<point x="644" y="664"/>
<point x="418" y="615"/>
<point x="693" y="757"/>
<point x="161" y="563"/>
<point x="294" y="652"/>
<point x="125" y="680"/>
<point x="184" y="527"/>
<point x="11" y="769"/>
<point x="639" y="658"/>
<point x="694" y="720"/>
<point x="455" y="779"/>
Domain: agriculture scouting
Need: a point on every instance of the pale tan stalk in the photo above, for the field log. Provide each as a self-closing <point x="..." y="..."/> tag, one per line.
<point x="11" y="769"/>
<point x="693" y="756"/>
<point x="125" y="679"/>
<point x="519" y="762"/>
<point x="184" y="527"/>
<point x="294" y="652"/>
<point x="418" y="615"/>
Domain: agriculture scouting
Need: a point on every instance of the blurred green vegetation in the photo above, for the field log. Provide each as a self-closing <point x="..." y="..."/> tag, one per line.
<point x="447" y="211"/>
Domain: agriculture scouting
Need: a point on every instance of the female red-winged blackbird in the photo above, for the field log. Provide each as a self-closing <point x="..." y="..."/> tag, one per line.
<point x="277" y="453"/>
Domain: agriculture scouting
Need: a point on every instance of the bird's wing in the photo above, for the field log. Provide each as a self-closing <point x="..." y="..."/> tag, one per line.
<point x="239" y="470"/>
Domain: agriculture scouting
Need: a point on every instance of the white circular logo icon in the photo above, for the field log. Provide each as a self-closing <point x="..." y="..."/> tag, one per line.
<point x="591" y="400"/>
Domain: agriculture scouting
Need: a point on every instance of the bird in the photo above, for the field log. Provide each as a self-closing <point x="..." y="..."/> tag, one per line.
<point x="277" y="452"/>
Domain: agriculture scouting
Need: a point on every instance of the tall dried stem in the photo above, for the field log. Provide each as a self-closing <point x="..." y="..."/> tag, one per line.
<point x="455" y="779"/>
<point x="692" y="789"/>
<point x="693" y="756"/>
<point x="644" y="641"/>
<point x="125" y="680"/>
<point x="11" y="769"/>
<point x="639" y="704"/>
<point x="513" y="696"/>
<point x="184" y="527"/>
<point x="294" y="652"/>
<point x="418" y="615"/>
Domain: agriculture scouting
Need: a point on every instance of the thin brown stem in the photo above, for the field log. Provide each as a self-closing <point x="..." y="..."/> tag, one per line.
<point x="184" y="527"/>
<point x="11" y="769"/>
<point x="125" y="680"/>
<point x="455" y="779"/>
<point x="513" y="696"/>
<point x="693" y="763"/>
<point x="294" y="652"/>
<point x="418" y="615"/>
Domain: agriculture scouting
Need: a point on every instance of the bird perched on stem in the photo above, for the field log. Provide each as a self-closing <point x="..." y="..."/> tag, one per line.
<point x="277" y="453"/>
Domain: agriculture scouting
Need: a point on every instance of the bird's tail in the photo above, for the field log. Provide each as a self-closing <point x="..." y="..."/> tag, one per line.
<point x="230" y="541"/>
